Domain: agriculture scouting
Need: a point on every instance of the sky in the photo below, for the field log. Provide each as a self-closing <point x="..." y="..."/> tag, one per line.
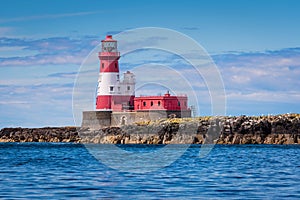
<point x="254" y="43"/>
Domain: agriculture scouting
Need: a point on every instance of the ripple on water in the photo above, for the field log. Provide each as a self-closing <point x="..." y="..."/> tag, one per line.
<point x="52" y="171"/>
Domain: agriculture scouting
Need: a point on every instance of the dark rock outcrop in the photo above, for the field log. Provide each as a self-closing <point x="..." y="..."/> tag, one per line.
<point x="279" y="129"/>
<point x="46" y="134"/>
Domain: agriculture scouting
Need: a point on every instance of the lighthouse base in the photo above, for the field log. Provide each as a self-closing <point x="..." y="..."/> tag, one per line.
<point x="96" y="119"/>
<point x="102" y="119"/>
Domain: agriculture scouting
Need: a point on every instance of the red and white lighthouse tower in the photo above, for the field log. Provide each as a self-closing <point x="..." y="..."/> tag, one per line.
<point x="113" y="94"/>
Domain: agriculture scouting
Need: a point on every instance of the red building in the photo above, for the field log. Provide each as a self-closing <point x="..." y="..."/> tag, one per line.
<point x="166" y="102"/>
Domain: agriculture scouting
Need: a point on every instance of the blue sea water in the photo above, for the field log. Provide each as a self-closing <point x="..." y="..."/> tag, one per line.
<point x="64" y="171"/>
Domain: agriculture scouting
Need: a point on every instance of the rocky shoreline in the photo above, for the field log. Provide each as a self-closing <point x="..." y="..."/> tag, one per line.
<point x="279" y="129"/>
<point x="46" y="134"/>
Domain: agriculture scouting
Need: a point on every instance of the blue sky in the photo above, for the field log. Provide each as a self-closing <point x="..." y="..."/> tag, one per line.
<point x="255" y="44"/>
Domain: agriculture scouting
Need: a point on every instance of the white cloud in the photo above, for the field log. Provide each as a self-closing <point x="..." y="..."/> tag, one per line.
<point x="49" y="51"/>
<point x="42" y="105"/>
<point x="4" y="31"/>
<point x="264" y="96"/>
<point x="269" y="71"/>
<point x="254" y="78"/>
<point x="13" y="102"/>
<point x="47" y="16"/>
<point x="240" y="79"/>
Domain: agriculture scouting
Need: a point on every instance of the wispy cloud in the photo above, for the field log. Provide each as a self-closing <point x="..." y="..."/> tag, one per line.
<point x="47" y="16"/>
<point x="279" y="58"/>
<point x="5" y="30"/>
<point x="255" y="82"/>
<point x="190" y="28"/>
<point x="64" y="75"/>
<point x="270" y="76"/>
<point x="42" y="60"/>
<point x="56" y="50"/>
<point x="265" y="96"/>
<point x="36" y="105"/>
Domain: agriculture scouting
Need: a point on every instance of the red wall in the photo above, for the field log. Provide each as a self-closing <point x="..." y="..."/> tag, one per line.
<point x="142" y="103"/>
<point x="113" y="102"/>
<point x="109" y="61"/>
<point x="166" y="103"/>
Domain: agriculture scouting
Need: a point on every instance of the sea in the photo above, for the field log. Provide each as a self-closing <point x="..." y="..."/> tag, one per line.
<point x="72" y="171"/>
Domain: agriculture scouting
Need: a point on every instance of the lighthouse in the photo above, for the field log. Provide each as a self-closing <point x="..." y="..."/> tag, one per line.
<point x="116" y="103"/>
<point x="113" y="94"/>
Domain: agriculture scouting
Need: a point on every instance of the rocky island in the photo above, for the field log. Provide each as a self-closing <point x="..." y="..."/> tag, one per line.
<point x="278" y="129"/>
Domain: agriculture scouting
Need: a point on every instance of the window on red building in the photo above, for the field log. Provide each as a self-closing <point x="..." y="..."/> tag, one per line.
<point x="158" y="103"/>
<point x="151" y="103"/>
<point x="144" y="103"/>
